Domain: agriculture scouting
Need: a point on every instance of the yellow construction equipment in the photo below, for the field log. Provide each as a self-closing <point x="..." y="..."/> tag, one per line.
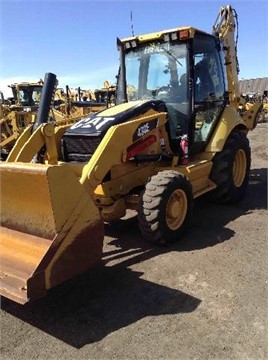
<point x="179" y="133"/>
<point x="70" y="105"/>
<point x="17" y="112"/>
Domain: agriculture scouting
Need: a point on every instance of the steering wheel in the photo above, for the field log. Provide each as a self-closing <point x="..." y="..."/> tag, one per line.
<point x="165" y="90"/>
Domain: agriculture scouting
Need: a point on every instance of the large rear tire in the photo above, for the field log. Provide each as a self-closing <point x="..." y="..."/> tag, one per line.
<point x="230" y="170"/>
<point x="165" y="207"/>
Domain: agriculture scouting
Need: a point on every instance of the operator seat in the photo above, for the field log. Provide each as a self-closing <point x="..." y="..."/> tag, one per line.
<point x="203" y="83"/>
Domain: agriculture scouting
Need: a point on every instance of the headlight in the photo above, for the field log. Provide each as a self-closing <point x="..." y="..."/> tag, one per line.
<point x="27" y="109"/>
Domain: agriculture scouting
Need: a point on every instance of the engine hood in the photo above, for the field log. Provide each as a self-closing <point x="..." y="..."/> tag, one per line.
<point x="81" y="140"/>
<point x="97" y="124"/>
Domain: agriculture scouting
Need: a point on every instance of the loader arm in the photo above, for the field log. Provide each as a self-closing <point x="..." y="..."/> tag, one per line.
<point x="113" y="149"/>
<point x="30" y="143"/>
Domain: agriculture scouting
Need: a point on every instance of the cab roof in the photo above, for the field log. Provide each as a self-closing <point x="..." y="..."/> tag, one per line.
<point x="186" y="32"/>
<point x="26" y="84"/>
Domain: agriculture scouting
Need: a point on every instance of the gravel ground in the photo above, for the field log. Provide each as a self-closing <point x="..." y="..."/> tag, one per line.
<point x="202" y="298"/>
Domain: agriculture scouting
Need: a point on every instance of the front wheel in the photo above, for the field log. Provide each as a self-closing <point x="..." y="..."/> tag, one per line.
<point x="165" y="207"/>
<point x="230" y="170"/>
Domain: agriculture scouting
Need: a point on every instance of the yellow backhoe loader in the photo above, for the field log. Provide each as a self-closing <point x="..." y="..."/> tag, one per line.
<point x="18" y="112"/>
<point x="180" y="133"/>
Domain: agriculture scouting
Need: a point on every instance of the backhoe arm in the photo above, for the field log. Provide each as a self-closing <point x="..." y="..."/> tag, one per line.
<point x="225" y="28"/>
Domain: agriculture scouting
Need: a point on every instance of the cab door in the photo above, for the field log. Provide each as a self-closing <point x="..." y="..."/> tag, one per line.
<point x="209" y="92"/>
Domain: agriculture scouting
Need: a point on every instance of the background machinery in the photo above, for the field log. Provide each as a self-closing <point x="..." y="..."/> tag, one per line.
<point x="180" y="133"/>
<point x="78" y="103"/>
<point x="17" y="112"/>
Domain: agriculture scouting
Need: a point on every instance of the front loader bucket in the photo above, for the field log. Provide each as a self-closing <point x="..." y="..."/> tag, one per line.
<point x="51" y="229"/>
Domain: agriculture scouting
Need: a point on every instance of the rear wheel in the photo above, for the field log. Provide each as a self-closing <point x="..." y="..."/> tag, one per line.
<point x="231" y="167"/>
<point x="166" y="207"/>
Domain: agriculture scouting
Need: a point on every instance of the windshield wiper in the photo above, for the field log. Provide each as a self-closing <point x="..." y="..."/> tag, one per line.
<point x="170" y="54"/>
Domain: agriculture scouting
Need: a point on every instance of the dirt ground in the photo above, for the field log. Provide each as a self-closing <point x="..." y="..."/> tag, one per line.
<point x="202" y="298"/>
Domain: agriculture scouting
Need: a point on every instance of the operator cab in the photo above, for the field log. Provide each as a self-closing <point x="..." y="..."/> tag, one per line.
<point x="27" y="95"/>
<point x="184" y="69"/>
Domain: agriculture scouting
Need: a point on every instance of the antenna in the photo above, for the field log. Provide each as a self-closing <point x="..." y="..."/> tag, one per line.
<point x="131" y="19"/>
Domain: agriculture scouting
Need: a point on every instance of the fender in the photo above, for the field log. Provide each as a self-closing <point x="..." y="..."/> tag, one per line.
<point x="230" y="119"/>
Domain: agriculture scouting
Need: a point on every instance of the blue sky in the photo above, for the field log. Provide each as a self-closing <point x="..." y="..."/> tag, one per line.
<point x="76" y="40"/>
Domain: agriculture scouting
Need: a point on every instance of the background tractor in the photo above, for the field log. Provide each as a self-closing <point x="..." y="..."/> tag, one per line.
<point x="18" y="112"/>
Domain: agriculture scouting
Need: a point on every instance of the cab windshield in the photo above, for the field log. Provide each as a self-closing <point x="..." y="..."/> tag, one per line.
<point x="157" y="70"/>
<point x="30" y="95"/>
<point x="160" y="71"/>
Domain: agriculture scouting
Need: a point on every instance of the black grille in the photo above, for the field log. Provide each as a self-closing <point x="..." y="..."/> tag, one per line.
<point x="79" y="148"/>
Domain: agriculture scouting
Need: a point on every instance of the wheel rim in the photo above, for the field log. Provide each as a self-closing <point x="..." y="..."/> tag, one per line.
<point x="239" y="167"/>
<point x="176" y="209"/>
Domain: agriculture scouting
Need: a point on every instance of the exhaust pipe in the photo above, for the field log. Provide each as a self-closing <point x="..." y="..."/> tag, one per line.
<point x="46" y="99"/>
